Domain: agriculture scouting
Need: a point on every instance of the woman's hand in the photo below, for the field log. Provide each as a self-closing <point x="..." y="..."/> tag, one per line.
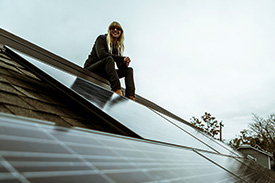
<point x="127" y="61"/>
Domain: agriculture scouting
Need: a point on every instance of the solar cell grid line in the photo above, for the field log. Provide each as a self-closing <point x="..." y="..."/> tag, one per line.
<point x="15" y="175"/>
<point x="123" y="150"/>
<point x="2" y="168"/>
<point x="195" y="179"/>
<point x="45" y="174"/>
<point x="119" y="170"/>
<point x="144" y="153"/>
<point x="170" y="169"/>
<point x="26" y="168"/>
<point x="25" y="131"/>
<point x="41" y="163"/>
<point x="89" y="164"/>
<point x="7" y="176"/>
<point x="28" y="135"/>
<point x="34" y="155"/>
<point x="25" y="138"/>
<point x="80" y="144"/>
<point x="132" y="152"/>
<point x="25" y="144"/>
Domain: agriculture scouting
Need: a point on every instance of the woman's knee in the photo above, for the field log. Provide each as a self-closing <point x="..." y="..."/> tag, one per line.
<point x="130" y="70"/>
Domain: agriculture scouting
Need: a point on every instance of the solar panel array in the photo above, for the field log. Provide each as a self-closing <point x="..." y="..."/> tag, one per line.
<point x="138" y="118"/>
<point x="40" y="153"/>
<point x="169" y="151"/>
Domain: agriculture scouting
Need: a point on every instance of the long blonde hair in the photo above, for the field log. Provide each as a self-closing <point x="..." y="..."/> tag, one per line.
<point x="120" y="41"/>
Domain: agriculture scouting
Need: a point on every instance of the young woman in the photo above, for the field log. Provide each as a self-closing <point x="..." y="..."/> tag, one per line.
<point x="108" y="50"/>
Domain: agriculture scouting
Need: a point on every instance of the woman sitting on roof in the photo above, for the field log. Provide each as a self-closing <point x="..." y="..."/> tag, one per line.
<point x="108" y="50"/>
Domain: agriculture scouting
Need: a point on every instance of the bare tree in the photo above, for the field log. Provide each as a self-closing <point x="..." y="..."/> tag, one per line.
<point x="264" y="129"/>
<point x="261" y="134"/>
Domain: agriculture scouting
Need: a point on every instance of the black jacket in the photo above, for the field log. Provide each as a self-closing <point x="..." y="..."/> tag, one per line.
<point x="100" y="51"/>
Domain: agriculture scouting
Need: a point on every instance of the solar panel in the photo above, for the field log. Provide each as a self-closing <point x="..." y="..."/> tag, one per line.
<point x="134" y="116"/>
<point x="68" y="155"/>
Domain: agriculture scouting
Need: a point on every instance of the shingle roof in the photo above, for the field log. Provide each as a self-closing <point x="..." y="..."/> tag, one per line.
<point x="24" y="94"/>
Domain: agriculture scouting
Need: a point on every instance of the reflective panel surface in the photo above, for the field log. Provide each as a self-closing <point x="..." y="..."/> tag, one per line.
<point x="68" y="155"/>
<point x="134" y="116"/>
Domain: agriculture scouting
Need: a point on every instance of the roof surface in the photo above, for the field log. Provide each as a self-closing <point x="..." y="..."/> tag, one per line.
<point x="24" y="94"/>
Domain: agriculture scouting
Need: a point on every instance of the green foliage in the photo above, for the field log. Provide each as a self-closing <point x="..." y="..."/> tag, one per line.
<point x="208" y="124"/>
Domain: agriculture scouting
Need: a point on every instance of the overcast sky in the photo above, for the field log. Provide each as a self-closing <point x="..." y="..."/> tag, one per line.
<point x="189" y="56"/>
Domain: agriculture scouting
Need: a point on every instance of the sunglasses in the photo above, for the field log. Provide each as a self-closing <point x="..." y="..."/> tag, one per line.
<point x="114" y="27"/>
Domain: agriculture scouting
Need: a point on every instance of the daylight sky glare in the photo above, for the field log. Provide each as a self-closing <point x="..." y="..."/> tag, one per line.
<point x="189" y="56"/>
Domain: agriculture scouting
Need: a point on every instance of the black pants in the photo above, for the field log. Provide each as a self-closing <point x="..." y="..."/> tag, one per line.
<point x="106" y="68"/>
